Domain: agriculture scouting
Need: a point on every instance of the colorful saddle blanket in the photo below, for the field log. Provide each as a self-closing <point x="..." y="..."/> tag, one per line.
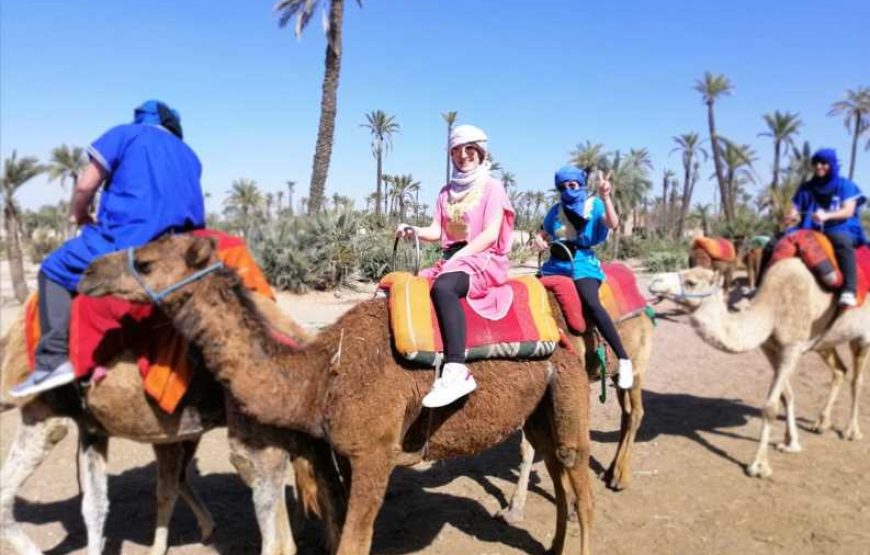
<point x="619" y="295"/>
<point x="718" y="248"/>
<point x="102" y="328"/>
<point x="528" y="330"/>
<point x="816" y="251"/>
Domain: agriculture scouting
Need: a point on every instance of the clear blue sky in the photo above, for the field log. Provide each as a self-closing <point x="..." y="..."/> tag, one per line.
<point x="538" y="77"/>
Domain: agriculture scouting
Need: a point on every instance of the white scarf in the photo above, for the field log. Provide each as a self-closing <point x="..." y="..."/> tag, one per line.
<point x="462" y="182"/>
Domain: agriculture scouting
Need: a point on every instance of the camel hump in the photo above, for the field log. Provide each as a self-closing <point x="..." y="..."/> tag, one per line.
<point x="718" y="248"/>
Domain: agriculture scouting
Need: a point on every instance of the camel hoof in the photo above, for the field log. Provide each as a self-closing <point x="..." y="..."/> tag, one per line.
<point x="510" y="516"/>
<point x="207" y="534"/>
<point x="854" y="434"/>
<point x="759" y="470"/>
<point x="789" y="447"/>
<point x="821" y="426"/>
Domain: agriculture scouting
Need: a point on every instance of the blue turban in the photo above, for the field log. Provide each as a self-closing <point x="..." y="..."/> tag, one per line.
<point x="155" y="112"/>
<point x="572" y="199"/>
<point x="570" y="173"/>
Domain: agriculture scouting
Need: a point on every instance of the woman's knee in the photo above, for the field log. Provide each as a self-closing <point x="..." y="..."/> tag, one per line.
<point x="444" y="288"/>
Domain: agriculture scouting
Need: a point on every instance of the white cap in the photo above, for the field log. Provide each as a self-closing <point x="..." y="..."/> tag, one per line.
<point x="468" y="134"/>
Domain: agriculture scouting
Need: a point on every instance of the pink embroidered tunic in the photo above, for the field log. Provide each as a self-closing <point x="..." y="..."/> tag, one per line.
<point x="488" y="293"/>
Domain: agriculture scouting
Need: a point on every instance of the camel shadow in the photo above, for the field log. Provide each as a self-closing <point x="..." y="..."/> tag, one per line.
<point x="684" y="415"/>
<point x="132" y="509"/>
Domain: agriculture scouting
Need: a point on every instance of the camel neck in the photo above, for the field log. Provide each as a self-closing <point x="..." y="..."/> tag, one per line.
<point x="272" y="383"/>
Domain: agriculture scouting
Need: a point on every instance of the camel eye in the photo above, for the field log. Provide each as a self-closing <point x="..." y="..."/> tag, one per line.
<point x="142" y="266"/>
<point x="691" y="282"/>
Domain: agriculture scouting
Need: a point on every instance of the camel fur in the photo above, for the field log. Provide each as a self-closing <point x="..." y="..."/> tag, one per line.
<point x="790" y="315"/>
<point x="699" y="258"/>
<point x="349" y="387"/>
<point x="636" y="335"/>
<point x="752" y="260"/>
<point x="118" y="407"/>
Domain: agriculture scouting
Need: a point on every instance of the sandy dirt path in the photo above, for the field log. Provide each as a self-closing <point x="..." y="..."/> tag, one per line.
<point x="690" y="494"/>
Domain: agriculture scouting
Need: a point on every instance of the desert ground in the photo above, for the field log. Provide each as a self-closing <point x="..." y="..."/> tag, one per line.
<point x="690" y="493"/>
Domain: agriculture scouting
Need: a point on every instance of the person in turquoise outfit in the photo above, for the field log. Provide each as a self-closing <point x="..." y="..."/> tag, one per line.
<point x="150" y="183"/>
<point x="571" y="228"/>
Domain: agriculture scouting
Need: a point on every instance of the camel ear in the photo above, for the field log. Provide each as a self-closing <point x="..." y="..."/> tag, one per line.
<point x="199" y="252"/>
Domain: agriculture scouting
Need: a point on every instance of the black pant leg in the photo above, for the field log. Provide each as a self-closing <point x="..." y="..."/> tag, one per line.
<point x="446" y="292"/>
<point x="55" y="304"/>
<point x="844" y="250"/>
<point x="587" y="288"/>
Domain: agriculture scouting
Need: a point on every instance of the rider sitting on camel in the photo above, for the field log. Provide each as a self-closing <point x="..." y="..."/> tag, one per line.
<point x="473" y="220"/>
<point x="151" y="186"/>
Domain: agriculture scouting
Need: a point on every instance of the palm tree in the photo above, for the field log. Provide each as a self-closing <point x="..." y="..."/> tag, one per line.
<point x="856" y="112"/>
<point x="588" y="156"/>
<point x="404" y="188"/>
<point x="738" y="161"/>
<point x="702" y="214"/>
<point x="303" y="10"/>
<point x="382" y="128"/>
<point x="711" y="88"/>
<point x="667" y="178"/>
<point x="66" y="163"/>
<point x="245" y="204"/>
<point x="689" y="144"/>
<point x="449" y="118"/>
<point x="781" y="126"/>
<point x="15" y="174"/>
<point x="630" y="185"/>
<point x="508" y="179"/>
<point x="291" y="186"/>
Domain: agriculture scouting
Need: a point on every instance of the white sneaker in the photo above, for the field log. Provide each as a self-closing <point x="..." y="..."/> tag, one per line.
<point x="456" y="381"/>
<point x="43" y="380"/>
<point x="847" y="299"/>
<point x="625" y="378"/>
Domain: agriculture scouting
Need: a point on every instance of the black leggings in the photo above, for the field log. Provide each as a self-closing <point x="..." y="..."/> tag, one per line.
<point x="844" y="251"/>
<point x="594" y="313"/>
<point x="446" y="292"/>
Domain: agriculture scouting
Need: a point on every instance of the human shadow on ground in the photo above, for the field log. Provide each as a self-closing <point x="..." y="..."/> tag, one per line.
<point x="684" y="415"/>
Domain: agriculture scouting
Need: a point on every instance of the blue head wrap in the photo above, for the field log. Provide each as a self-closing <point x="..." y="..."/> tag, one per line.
<point x="572" y="199"/>
<point x="155" y="112"/>
<point x="826" y="185"/>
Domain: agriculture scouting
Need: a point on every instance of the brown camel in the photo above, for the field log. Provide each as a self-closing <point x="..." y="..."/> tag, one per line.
<point x="790" y="315"/>
<point x="699" y="258"/>
<point x="118" y="407"/>
<point x="349" y="387"/>
<point x="636" y="334"/>
<point x="752" y="261"/>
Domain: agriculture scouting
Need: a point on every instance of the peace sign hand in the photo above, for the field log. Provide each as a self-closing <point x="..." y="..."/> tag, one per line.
<point x="604" y="185"/>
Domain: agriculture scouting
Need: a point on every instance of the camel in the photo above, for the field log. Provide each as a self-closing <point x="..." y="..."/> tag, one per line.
<point x="752" y="260"/>
<point x="349" y="387"/>
<point x="117" y="407"/>
<point x="699" y="258"/>
<point x="636" y="334"/>
<point x="790" y="315"/>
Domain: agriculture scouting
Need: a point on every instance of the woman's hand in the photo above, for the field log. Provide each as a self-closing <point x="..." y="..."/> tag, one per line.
<point x="539" y="242"/>
<point x="604" y="185"/>
<point x="405" y="231"/>
<point x="820" y="216"/>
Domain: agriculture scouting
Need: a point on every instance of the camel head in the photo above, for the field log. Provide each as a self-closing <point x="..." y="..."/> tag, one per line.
<point x="688" y="288"/>
<point x="156" y="272"/>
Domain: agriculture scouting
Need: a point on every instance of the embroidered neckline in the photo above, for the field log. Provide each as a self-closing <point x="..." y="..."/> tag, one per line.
<point x="456" y="209"/>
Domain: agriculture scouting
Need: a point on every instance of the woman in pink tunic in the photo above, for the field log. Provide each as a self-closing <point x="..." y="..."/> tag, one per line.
<point x="473" y="219"/>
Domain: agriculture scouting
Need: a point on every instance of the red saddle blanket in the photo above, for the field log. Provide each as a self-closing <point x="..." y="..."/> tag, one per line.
<point x="528" y="330"/>
<point x="817" y="252"/>
<point x="718" y="248"/>
<point x="619" y="295"/>
<point x="101" y="328"/>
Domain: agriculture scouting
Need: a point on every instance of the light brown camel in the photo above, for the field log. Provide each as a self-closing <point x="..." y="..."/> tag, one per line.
<point x="349" y="387"/>
<point x="118" y="407"/>
<point x="636" y="334"/>
<point x="790" y="315"/>
<point x="752" y="261"/>
<point x="700" y="258"/>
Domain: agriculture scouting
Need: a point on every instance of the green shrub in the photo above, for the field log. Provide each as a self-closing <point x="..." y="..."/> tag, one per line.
<point x="665" y="261"/>
<point x="43" y="242"/>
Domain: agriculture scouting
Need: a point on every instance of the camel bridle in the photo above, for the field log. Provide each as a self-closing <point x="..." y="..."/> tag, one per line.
<point x="158" y="296"/>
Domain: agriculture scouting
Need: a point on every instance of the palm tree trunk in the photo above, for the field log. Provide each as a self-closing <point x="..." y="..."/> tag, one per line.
<point x="717" y="162"/>
<point x="380" y="177"/>
<point x="13" y="251"/>
<point x="776" y="153"/>
<point x="328" y="107"/>
<point x="858" y="118"/>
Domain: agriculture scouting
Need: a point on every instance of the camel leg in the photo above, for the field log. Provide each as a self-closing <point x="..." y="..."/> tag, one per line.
<point x="784" y="364"/>
<point x="169" y="458"/>
<point x="514" y="511"/>
<point x="791" y="444"/>
<point x="838" y="371"/>
<point x="370" y="474"/>
<point x="93" y="452"/>
<point x="36" y="436"/>
<point x="619" y="474"/>
<point x="203" y="517"/>
<point x="861" y="353"/>
<point x="267" y="485"/>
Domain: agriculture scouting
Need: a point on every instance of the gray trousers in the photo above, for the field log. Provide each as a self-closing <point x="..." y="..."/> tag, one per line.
<point x="55" y="304"/>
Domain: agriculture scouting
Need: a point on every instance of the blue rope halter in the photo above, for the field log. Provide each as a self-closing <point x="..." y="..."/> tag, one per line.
<point x="157" y="297"/>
